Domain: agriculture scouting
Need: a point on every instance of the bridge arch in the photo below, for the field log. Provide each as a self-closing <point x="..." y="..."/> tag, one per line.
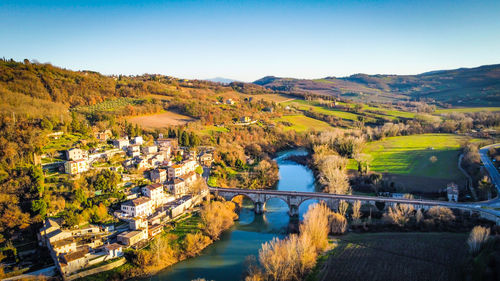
<point x="237" y="197"/>
<point x="282" y="203"/>
<point x="306" y="202"/>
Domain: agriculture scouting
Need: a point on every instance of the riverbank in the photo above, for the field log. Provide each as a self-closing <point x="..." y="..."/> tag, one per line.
<point x="187" y="238"/>
<point x="226" y="258"/>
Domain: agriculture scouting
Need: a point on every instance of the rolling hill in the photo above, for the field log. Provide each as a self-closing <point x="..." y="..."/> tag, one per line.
<point x="459" y="87"/>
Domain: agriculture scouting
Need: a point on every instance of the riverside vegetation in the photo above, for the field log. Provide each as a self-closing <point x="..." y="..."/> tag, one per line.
<point x="186" y="239"/>
<point x="39" y="99"/>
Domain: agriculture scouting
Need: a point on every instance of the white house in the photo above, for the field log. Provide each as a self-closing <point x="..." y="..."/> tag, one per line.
<point x="121" y="143"/>
<point x="156" y="160"/>
<point x="133" y="150"/>
<point x="155" y="193"/>
<point x="150" y="149"/>
<point x="76" y="154"/>
<point x="138" y="140"/>
<point x="179" y="186"/>
<point x="114" y="250"/>
<point x="76" y="167"/>
<point x="182" y="169"/>
<point x="452" y="192"/>
<point x="158" y="175"/>
<point x="142" y="206"/>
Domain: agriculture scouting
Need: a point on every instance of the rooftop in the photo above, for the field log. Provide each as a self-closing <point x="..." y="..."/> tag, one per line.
<point x="113" y="246"/>
<point x="137" y="201"/>
<point x="63" y="242"/>
<point x="69" y="257"/>
<point x="154" y="186"/>
<point x="130" y="234"/>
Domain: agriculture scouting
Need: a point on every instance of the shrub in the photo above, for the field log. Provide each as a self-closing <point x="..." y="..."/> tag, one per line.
<point x="315" y="225"/>
<point x="441" y="214"/>
<point x="338" y="223"/>
<point x="400" y="214"/>
<point x="217" y="217"/>
<point x="194" y="243"/>
<point x="356" y="211"/>
<point x="478" y="236"/>
<point x="343" y="206"/>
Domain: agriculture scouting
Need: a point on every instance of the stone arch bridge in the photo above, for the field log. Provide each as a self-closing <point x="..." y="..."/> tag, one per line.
<point x="293" y="199"/>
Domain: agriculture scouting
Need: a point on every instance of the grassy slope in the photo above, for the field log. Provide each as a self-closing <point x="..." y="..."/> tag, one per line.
<point x="410" y="156"/>
<point x="306" y="105"/>
<point x="395" y="256"/>
<point x="350" y="116"/>
<point x="302" y="123"/>
<point x="467" y="109"/>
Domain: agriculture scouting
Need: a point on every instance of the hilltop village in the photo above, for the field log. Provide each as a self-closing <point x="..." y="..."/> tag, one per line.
<point x="115" y="177"/>
<point x="175" y="186"/>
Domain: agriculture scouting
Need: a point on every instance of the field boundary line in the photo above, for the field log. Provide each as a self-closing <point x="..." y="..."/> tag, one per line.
<point x="395" y="253"/>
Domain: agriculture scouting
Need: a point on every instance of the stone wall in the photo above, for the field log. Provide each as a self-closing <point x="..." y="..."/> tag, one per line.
<point x="96" y="270"/>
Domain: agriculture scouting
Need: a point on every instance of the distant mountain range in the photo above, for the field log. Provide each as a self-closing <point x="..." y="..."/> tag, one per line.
<point x="463" y="86"/>
<point x="221" y="80"/>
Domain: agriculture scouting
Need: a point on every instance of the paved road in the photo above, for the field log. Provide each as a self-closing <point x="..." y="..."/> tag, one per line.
<point x="478" y="206"/>
<point x="494" y="175"/>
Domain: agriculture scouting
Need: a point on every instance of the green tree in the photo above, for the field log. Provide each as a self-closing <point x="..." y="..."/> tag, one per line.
<point x="39" y="207"/>
<point x="185" y="139"/>
<point x="80" y="196"/>
<point x="199" y="170"/>
<point x="194" y="140"/>
<point x="46" y="124"/>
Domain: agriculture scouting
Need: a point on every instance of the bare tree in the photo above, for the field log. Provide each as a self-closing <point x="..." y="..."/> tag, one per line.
<point x="478" y="236"/>
<point x="419" y="216"/>
<point x="400" y="214"/>
<point x="197" y="187"/>
<point x="343" y="206"/>
<point x="338" y="223"/>
<point x="217" y="217"/>
<point x="356" y="211"/>
<point x="441" y="214"/>
<point x="315" y="224"/>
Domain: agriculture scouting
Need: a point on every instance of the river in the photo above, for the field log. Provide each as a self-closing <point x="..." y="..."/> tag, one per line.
<point x="225" y="259"/>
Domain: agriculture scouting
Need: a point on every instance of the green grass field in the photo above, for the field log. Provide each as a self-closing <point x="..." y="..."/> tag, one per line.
<point x="409" y="160"/>
<point x="211" y="130"/>
<point x="466" y="109"/>
<point x="301" y="123"/>
<point x="394" y="256"/>
<point x="379" y="112"/>
<point x="390" y="112"/>
<point x="66" y="141"/>
<point x="314" y="106"/>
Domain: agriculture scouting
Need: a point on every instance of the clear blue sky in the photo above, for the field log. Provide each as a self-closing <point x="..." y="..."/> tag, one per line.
<point x="247" y="40"/>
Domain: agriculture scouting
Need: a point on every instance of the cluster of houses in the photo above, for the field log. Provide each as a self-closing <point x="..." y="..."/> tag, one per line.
<point x="140" y="156"/>
<point x="146" y="212"/>
<point x="76" y="249"/>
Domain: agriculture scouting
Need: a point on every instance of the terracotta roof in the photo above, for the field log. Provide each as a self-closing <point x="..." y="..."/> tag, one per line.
<point x="188" y="175"/>
<point x="154" y="186"/>
<point x="113" y="246"/>
<point x="63" y="242"/>
<point x="130" y="234"/>
<point x="69" y="257"/>
<point x="137" y="201"/>
<point x="176" y="180"/>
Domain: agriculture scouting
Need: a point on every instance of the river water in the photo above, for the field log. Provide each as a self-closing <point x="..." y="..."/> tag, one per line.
<point x="225" y="259"/>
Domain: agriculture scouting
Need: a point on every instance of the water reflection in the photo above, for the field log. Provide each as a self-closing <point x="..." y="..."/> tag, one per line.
<point x="225" y="259"/>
